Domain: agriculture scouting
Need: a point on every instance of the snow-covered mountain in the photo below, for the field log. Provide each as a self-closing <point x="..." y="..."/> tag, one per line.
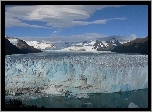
<point x="106" y="45"/>
<point x="82" y="46"/>
<point x="98" y="44"/>
<point x="40" y="44"/>
<point x="18" y="46"/>
<point x="36" y="44"/>
<point x="94" y="45"/>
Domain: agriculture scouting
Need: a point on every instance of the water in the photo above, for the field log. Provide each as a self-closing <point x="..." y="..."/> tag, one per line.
<point x="100" y="100"/>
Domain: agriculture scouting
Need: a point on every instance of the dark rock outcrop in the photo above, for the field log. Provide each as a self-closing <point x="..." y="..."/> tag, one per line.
<point x="99" y="46"/>
<point x="11" y="49"/>
<point x="26" y="48"/>
<point x="139" y="45"/>
<point x="21" y="48"/>
<point x="111" y="44"/>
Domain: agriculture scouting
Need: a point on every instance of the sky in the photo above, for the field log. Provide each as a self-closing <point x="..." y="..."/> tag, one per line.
<point x="75" y="22"/>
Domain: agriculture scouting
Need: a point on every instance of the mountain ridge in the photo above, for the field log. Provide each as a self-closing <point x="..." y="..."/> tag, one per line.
<point x="106" y="45"/>
<point x="139" y="45"/>
<point x="18" y="47"/>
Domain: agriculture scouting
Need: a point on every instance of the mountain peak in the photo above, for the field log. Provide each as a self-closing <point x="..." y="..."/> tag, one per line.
<point x="106" y="45"/>
<point x="18" y="46"/>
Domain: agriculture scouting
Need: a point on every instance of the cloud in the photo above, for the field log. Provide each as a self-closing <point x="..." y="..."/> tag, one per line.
<point x="71" y="38"/>
<point x="102" y="21"/>
<point x="58" y="16"/>
<point x="74" y="38"/>
<point x="55" y="31"/>
<point x="80" y="38"/>
<point x="133" y="36"/>
<point x="11" y="20"/>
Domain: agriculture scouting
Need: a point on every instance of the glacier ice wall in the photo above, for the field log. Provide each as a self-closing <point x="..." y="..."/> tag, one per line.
<point x="57" y="73"/>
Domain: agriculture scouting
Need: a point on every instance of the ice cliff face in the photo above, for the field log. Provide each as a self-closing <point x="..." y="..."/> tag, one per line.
<point x="59" y="73"/>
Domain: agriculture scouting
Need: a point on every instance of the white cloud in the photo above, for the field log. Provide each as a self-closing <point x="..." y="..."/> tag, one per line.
<point x="55" y="31"/>
<point x="11" y="21"/>
<point x="102" y="21"/>
<point x="133" y="36"/>
<point x="123" y="18"/>
<point x="126" y="39"/>
<point x="59" y="16"/>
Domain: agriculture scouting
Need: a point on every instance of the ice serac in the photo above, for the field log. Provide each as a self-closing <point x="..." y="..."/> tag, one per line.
<point x="75" y="73"/>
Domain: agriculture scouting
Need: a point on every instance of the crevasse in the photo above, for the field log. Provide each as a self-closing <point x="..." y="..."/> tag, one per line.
<point x="75" y="72"/>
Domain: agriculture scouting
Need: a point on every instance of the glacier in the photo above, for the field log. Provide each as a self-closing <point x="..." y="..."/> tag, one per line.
<point x="60" y="73"/>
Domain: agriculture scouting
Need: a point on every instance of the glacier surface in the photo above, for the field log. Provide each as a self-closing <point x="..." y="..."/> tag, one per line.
<point x="59" y="73"/>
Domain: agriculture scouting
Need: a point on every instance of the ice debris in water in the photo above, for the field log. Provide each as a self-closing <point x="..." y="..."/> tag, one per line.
<point x="76" y="95"/>
<point x="132" y="105"/>
<point x="126" y="98"/>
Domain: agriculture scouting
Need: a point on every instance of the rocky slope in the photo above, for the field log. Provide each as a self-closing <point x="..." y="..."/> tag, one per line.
<point x="26" y="48"/>
<point x="139" y="45"/>
<point x="18" y="46"/>
<point x="106" y="45"/>
<point x="11" y="49"/>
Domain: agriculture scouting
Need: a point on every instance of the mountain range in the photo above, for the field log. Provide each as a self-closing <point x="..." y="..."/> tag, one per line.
<point x="40" y="44"/>
<point x="18" y="46"/>
<point x="106" y="45"/>
<point x="93" y="45"/>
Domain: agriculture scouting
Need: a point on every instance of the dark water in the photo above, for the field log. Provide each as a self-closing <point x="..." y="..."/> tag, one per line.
<point x="102" y="100"/>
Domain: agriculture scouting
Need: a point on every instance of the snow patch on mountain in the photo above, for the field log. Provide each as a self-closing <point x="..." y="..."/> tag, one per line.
<point x="104" y="42"/>
<point x="40" y="45"/>
<point x="82" y="46"/>
<point x="35" y="44"/>
<point x="13" y="41"/>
